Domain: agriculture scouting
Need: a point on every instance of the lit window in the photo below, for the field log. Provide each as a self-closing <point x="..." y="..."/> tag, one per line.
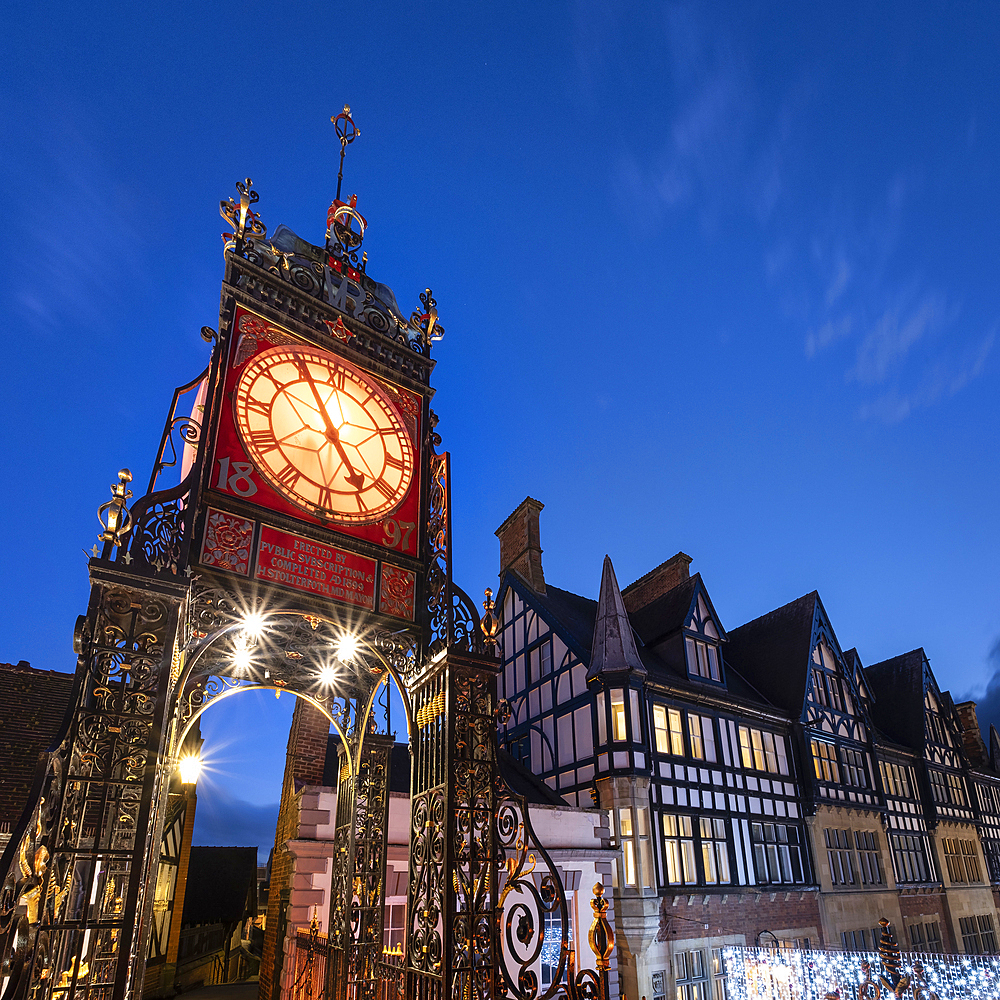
<point x="678" y="850"/>
<point x="618" y="715"/>
<point x="714" y="850"/>
<point x="762" y="751"/>
<point x="660" y="729"/>
<point x="676" y="732"/>
<point x="694" y="732"/>
<point x="825" y="761"/>
<point x="637" y="858"/>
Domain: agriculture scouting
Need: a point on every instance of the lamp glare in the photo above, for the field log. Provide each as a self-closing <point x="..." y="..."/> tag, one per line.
<point x="190" y="768"/>
<point x="347" y="647"/>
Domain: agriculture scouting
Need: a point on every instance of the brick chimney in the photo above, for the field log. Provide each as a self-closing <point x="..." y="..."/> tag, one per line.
<point x="972" y="738"/>
<point x="656" y="582"/>
<point x="520" y="548"/>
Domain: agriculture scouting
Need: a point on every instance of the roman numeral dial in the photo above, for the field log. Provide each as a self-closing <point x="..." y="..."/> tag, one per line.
<point x="326" y="437"/>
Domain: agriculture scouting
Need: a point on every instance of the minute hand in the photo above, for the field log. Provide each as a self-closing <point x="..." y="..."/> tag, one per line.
<point x="356" y="479"/>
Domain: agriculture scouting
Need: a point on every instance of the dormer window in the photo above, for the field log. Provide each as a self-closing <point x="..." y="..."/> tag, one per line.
<point x="936" y="728"/>
<point x="829" y="689"/>
<point x="702" y="650"/>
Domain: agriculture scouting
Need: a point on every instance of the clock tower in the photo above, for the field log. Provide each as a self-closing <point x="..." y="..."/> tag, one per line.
<point x="295" y="536"/>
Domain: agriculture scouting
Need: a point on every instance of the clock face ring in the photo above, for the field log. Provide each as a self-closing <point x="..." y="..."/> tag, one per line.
<point x="324" y="435"/>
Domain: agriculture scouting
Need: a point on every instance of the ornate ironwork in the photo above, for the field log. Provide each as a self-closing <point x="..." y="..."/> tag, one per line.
<point x="78" y="868"/>
<point x="426" y="322"/>
<point x="242" y="218"/>
<point x="114" y="516"/>
<point x="347" y="132"/>
<point x="489" y="624"/>
<point x="181" y="431"/>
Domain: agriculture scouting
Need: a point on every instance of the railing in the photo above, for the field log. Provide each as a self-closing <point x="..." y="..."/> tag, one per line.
<point x="779" y="974"/>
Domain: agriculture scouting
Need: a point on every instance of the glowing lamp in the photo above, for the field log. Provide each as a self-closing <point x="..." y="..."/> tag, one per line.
<point x="189" y="767"/>
<point x="347" y="647"/>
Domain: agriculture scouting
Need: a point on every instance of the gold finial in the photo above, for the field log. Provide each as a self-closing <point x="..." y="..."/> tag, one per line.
<point x="119" y="520"/>
<point x="601" y="936"/>
<point x="489" y="623"/>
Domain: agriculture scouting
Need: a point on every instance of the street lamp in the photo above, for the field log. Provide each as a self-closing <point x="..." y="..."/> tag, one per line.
<point x="189" y="767"/>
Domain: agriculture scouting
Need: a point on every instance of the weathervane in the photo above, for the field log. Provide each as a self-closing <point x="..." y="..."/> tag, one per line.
<point x="347" y="132"/>
<point x="341" y="215"/>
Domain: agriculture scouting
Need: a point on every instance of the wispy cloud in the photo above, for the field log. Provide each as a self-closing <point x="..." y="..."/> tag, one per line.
<point x="81" y="223"/>
<point x="221" y="820"/>
<point x="945" y="377"/>
<point x="894" y="334"/>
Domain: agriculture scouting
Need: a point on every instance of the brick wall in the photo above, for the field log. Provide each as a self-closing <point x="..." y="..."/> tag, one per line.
<point x="656" y="582"/>
<point x="305" y="758"/>
<point x="919" y="907"/>
<point x="745" y="913"/>
<point x="520" y="544"/>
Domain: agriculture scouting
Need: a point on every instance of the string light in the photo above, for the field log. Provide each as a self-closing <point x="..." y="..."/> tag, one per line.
<point x="792" y="974"/>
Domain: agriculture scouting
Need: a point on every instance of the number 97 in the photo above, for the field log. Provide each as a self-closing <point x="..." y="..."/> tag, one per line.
<point x="397" y="532"/>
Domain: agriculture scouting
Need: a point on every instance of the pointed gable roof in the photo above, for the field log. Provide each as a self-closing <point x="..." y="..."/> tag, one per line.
<point x="668" y="612"/>
<point x="773" y="652"/>
<point x="613" y="648"/>
<point x="898" y="684"/>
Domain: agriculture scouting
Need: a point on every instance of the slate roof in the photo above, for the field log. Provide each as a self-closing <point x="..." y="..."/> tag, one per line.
<point x="898" y="686"/>
<point x="613" y="648"/>
<point x="773" y="652"/>
<point x="661" y="617"/>
<point x="32" y="708"/>
<point x="667" y="613"/>
<point x="575" y="613"/>
<point x="220" y="880"/>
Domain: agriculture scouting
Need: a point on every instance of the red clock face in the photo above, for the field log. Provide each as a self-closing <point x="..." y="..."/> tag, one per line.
<point x="305" y="433"/>
<point x="324" y="435"/>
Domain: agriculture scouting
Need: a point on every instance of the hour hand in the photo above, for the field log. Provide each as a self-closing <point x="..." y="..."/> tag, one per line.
<point x="356" y="479"/>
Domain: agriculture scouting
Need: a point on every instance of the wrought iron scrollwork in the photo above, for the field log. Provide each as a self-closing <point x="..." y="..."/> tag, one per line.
<point x="242" y="218"/>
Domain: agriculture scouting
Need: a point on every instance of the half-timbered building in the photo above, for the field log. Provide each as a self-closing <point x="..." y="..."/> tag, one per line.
<point x="763" y="786"/>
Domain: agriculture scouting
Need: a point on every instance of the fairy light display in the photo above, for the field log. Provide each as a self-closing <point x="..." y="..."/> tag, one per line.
<point x="786" y="974"/>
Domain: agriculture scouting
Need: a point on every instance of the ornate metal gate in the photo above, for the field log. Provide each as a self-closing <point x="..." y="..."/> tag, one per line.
<point x="168" y="632"/>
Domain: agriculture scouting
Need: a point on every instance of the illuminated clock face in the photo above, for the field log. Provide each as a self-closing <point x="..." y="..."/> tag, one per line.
<point x="325" y="436"/>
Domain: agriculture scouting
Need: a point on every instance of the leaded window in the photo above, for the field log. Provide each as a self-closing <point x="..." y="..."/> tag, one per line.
<point x="838" y="852"/>
<point x="777" y="852"/>
<point x="869" y="863"/>
<point x="909" y="852"/>
<point x="825" y="761"/>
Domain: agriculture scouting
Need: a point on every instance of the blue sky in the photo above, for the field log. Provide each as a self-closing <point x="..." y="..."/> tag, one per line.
<point x="717" y="278"/>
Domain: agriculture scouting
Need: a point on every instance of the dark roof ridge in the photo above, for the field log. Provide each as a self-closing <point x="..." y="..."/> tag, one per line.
<point x="759" y="618"/>
<point x="898" y="656"/>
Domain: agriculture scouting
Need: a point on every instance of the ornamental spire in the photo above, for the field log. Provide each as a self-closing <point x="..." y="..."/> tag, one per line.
<point x="342" y="215"/>
<point x="614" y="649"/>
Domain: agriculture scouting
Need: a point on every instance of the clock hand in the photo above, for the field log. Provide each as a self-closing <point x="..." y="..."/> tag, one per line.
<point x="356" y="479"/>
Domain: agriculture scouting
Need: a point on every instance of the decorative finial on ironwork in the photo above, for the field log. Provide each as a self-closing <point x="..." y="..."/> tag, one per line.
<point x="347" y="132"/>
<point x="242" y="218"/>
<point x="602" y="935"/>
<point x="342" y="215"/>
<point x="118" y="520"/>
<point x="426" y="323"/>
<point x="489" y="623"/>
